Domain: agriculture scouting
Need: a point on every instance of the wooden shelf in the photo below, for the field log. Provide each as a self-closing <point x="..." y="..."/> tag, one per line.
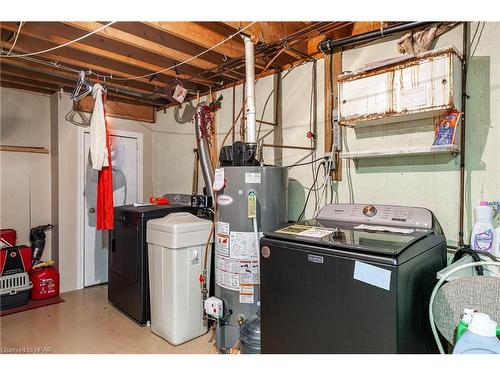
<point x="403" y="151"/>
<point x="33" y="150"/>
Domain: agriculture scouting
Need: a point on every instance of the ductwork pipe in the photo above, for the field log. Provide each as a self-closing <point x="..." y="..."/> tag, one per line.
<point x="250" y="88"/>
<point x="201" y="142"/>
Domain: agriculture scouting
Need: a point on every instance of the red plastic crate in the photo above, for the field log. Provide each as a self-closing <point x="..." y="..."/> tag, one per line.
<point x="8" y="237"/>
<point x="14" y="260"/>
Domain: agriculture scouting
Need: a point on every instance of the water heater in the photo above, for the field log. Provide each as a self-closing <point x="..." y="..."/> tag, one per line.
<point x="254" y="200"/>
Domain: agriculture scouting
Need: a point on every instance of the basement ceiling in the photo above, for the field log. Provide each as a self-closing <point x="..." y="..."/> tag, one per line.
<point x="125" y="55"/>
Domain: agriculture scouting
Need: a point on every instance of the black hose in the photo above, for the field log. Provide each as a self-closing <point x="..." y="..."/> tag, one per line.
<point x="328" y="46"/>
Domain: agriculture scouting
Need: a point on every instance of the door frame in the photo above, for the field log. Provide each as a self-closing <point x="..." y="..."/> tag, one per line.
<point x="80" y="237"/>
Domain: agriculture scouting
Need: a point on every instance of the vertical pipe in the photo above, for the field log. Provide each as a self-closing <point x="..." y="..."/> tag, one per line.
<point x="250" y="88"/>
<point x="465" y="52"/>
<point x="233" y="138"/>
<point x="203" y="153"/>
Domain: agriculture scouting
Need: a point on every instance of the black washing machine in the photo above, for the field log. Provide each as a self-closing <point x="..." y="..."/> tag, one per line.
<point x="356" y="279"/>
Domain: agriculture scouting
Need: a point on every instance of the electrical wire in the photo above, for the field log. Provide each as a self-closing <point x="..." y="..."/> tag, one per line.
<point x="309" y="193"/>
<point x="17" y="36"/>
<point x="62" y="45"/>
<point x="305" y="163"/>
<point x="478" y="39"/>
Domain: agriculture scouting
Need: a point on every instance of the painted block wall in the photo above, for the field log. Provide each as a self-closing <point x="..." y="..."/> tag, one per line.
<point x="25" y="177"/>
<point x="427" y="181"/>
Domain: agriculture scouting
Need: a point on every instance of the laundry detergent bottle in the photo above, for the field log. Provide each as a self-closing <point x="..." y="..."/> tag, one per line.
<point x="482" y="232"/>
<point x="480" y="338"/>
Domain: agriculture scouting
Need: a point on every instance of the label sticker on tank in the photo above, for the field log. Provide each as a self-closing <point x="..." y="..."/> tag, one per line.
<point x="218" y="184"/>
<point x="227" y="280"/>
<point x="227" y="264"/>
<point x="249" y="272"/>
<point x="222" y="245"/>
<point x="252" y="178"/>
<point x="222" y="227"/>
<point x="247" y="293"/>
<point x="243" y="245"/>
<point x="224" y="200"/>
<point x="376" y="276"/>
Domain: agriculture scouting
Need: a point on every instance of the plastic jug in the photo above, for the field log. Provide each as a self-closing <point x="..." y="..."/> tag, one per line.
<point x="480" y="338"/>
<point x="482" y="232"/>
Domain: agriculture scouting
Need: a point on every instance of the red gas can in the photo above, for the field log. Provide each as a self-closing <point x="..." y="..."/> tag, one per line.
<point x="45" y="283"/>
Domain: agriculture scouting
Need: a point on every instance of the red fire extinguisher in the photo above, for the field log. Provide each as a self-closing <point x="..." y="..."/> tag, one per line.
<point x="45" y="279"/>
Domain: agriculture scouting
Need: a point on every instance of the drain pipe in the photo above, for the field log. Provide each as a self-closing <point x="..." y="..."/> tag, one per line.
<point x="250" y="88"/>
<point x="201" y="142"/>
<point x="328" y="46"/>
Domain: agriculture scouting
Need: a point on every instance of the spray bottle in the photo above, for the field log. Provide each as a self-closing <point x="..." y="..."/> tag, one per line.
<point x="482" y="232"/>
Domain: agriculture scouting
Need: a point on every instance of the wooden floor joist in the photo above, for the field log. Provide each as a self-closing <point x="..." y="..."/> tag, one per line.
<point x="130" y="111"/>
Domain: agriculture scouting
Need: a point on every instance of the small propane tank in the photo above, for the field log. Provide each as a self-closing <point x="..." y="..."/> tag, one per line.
<point x="480" y="337"/>
<point x="250" y="334"/>
<point x="45" y="279"/>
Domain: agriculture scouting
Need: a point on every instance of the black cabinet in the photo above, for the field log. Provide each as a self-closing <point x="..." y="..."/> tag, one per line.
<point x="128" y="278"/>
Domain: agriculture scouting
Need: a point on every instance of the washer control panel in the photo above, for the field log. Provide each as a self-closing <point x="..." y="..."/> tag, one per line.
<point x="398" y="216"/>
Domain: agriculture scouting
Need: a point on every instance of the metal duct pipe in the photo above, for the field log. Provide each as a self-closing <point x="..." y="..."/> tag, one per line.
<point x="250" y="88"/>
<point x="328" y="46"/>
<point x="203" y="153"/>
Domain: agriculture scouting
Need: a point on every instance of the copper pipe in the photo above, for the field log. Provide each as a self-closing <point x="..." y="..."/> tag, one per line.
<point x="286" y="146"/>
<point x="264" y="122"/>
<point x="465" y="52"/>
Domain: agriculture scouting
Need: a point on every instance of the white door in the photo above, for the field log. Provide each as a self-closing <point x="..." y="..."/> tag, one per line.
<point x="124" y="154"/>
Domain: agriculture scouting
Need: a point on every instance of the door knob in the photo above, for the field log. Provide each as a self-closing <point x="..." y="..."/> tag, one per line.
<point x="91" y="210"/>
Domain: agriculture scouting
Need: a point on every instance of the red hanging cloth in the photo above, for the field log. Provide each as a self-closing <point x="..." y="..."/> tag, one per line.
<point x="104" y="209"/>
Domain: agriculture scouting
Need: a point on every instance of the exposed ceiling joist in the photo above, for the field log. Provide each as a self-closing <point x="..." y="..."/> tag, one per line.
<point x="269" y="32"/>
<point x="47" y="36"/>
<point x="141" y="43"/>
<point x="200" y="35"/>
<point x="54" y="84"/>
<point x="65" y="59"/>
<point x="29" y="67"/>
<point x="129" y="49"/>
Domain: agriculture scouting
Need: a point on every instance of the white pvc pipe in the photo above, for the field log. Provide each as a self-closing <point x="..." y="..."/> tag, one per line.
<point x="250" y="89"/>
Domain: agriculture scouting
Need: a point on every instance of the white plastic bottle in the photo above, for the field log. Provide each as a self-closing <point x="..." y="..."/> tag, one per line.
<point x="482" y="232"/>
<point x="495" y="247"/>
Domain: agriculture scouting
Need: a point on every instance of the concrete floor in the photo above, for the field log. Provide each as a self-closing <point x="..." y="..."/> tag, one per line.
<point x="87" y="323"/>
